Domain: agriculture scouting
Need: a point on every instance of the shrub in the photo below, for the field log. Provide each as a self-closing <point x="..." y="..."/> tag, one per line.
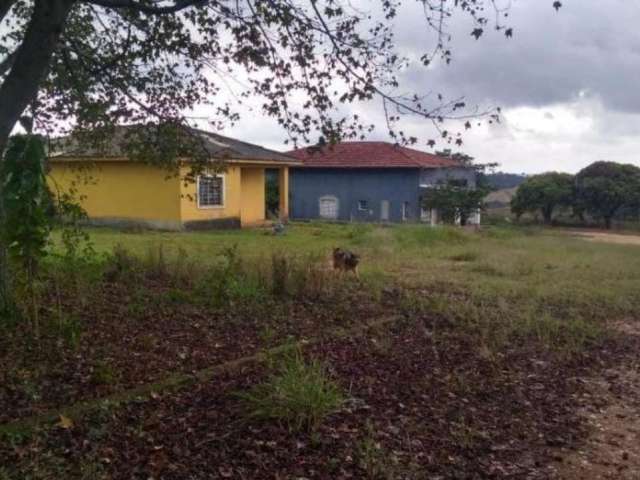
<point x="120" y="264"/>
<point x="228" y="281"/>
<point x="300" y="395"/>
<point x="156" y="263"/>
<point x="69" y="329"/>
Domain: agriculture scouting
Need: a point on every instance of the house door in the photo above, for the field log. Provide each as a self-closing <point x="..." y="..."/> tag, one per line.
<point x="328" y="207"/>
<point x="384" y="210"/>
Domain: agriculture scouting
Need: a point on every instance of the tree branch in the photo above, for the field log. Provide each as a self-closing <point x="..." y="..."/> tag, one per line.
<point x="31" y="61"/>
<point x="7" y="63"/>
<point x="149" y="8"/>
<point x="5" y="6"/>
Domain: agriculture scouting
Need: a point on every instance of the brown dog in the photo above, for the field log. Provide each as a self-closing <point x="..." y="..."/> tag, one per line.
<point x="345" y="261"/>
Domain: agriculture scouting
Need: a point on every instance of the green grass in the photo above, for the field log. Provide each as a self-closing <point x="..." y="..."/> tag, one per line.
<point x="529" y="281"/>
<point x="299" y="394"/>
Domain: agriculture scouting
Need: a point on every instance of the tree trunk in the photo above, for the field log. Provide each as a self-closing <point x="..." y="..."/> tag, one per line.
<point x="607" y="222"/>
<point x="20" y="88"/>
<point x="547" y="215"/>
<point x="6" y="303"/>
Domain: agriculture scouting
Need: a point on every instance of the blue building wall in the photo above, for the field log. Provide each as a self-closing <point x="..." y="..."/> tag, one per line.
<point x="400" y="187"/>
<point x="350" y="187"/>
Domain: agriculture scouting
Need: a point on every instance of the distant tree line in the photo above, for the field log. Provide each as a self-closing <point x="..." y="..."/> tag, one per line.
<point x="500" y="180"/>
<point x="603" y="190"/>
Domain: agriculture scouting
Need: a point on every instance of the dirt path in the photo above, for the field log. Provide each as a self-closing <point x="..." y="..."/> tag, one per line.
<point x="612" y="409"/>
<point x="607" y="237"/>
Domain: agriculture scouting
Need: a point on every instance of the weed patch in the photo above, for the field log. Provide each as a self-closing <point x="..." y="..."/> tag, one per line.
<point x="299" y="394"/>
<point x="464" y="257"/>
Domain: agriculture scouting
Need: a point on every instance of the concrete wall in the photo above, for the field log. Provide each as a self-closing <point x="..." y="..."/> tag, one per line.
<point x="349" y="186"/>
<point x="115" y="190"/>
<point x="252" y="197"/>
<point x="122" y="193"/>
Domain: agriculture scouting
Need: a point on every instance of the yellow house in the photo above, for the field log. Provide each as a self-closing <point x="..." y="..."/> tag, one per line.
<point x="117" y="191"/>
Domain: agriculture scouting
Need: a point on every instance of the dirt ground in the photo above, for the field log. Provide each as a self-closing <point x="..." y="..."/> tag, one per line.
<point x="612" y="451"/>
<point x="606" y="237"/>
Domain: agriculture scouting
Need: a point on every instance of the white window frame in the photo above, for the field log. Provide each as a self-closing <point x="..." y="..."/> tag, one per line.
<point x="224" y="188"/>
<point x="366" y="205"/>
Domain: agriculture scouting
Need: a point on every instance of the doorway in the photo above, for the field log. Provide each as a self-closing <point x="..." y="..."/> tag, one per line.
<point x="271" y="193"/>
<point x="328" y="207"/>
<point x="385" y="206"/>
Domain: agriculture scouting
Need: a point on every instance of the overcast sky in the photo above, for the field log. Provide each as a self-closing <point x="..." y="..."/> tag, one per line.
<point x="568" y="83"/>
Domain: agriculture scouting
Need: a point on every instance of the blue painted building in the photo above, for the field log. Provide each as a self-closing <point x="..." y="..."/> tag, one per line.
<point x="370" y="181"/>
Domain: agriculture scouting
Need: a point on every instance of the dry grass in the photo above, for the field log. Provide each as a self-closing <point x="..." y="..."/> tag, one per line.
<point x="517" y="282"/>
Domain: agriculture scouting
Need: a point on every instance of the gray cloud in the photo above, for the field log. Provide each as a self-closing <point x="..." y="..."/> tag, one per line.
<point x="568" y="83"/>
<point x="588" y="46"/>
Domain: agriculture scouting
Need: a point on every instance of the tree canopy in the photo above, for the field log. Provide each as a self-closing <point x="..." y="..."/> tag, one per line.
<point x="603" y="188"/>
<point x="545" y="193"/>
<point x="95" y="63"/>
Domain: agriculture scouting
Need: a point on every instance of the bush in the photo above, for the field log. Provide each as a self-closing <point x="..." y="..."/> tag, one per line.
<point x="121" y="264"/>
<point x="300" y="395"/>
<point x="156" y="262"/>
<point x="229" y="281"/>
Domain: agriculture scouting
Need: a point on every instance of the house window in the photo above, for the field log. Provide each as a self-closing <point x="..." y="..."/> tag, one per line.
<point x="458" y="182"/>
<point x="363" y="205"/>
<point x="405" y="211"/>
<point x="328" y="207"/>
<point x="425" y="214"/>
<point x="210" y="191"/>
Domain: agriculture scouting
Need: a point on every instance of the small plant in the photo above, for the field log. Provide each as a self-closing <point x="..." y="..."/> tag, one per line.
<point x="104" y="373"/>
<point x="464" y="257"/>
<point x="147" y="342"/>
<point x="229" y="282"/>
<point x="372" y="457"/>
<point x="279" y="274"/>
<point x="300" y="395"/>
<point x="176" y="296"/>
<point x="26" y="224"/>
<point x="310" y="277"/>
<point x="183" y="268"/>
<point x="69" y="329"/>
<point x="120" y="265"/>
<point x="267" y="334"/>
<point x="156" y="263"/>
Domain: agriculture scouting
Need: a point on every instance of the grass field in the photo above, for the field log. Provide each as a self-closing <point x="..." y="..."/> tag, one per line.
<point x="449" y="346"/>
<point x="529" y="277"/>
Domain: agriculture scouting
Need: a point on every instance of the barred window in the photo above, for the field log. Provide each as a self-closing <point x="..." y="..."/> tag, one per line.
<point x="210" y="191"/>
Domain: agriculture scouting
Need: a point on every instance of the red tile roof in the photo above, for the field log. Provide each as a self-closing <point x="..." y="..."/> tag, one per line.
<point x="369" y="155"/>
